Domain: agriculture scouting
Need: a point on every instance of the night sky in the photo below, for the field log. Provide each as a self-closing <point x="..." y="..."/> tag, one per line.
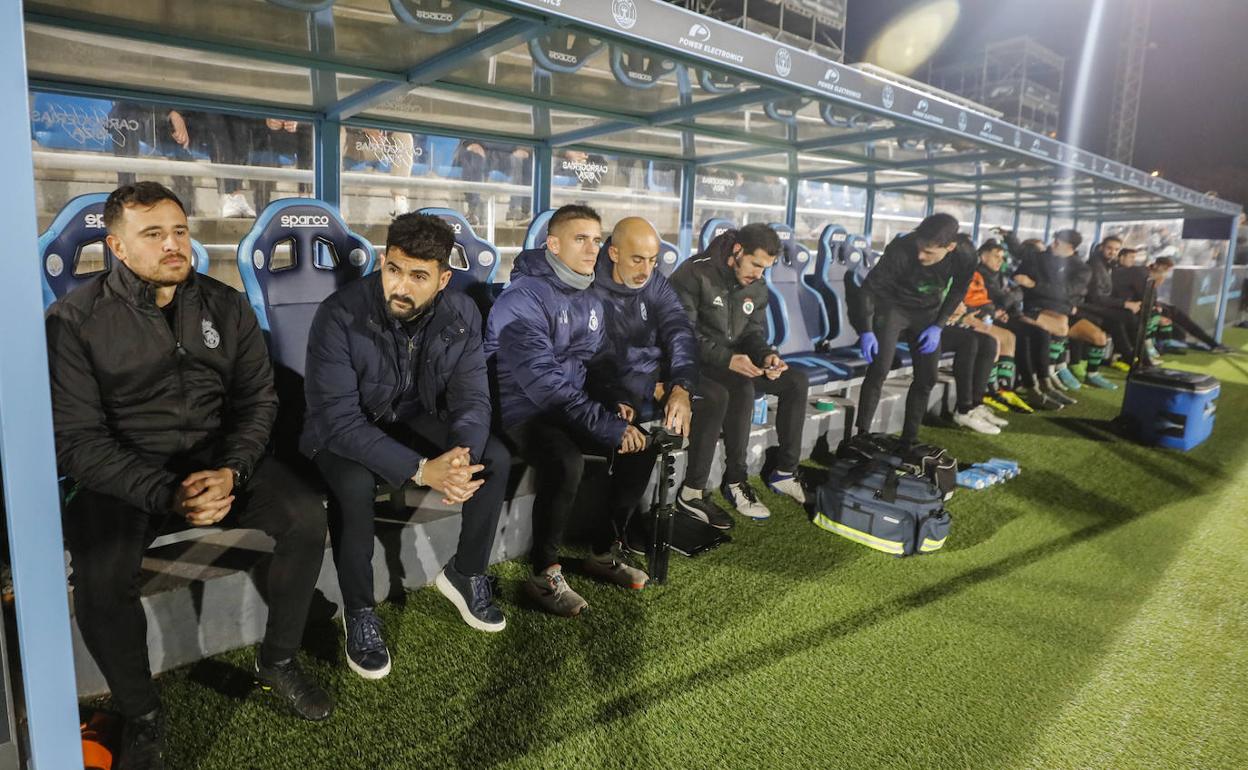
<point x="1193" y="122"/>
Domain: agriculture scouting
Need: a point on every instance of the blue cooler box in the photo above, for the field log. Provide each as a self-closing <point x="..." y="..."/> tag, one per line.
<point x="1170" y="408"/>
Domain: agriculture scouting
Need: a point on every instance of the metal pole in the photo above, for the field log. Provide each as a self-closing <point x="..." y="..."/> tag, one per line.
<point x="1227" y="276"/>
<point x="688" y="186"/>
<point x="542" y="161"/>
<point x="29" y="458"/>
<point x="327" y="139"/>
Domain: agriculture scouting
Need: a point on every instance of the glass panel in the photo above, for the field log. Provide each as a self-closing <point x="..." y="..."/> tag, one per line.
<point x="964" y="211"/>
<point x="1030" y="225"/>
<point x="385" y="173"/>
<point x="1157" y="238"/>
<point x="84" y="57"/>
<point x="895" y="214"/>
<point x="366" y="33"/>
<point x="822" y="203"/>
<point x="995" y="217"/>
<point x="752" y="121"/>
<point x="579" y="71"/>
<point x="649" y="141"/>
<point x="223" y="167"/>
<point x="737" y="196"/>
<point x="620" y="187"/>
<point x="458" y="112"/>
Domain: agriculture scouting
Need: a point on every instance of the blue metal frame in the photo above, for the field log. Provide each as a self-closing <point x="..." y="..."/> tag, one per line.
<point x="36" y="548"/>
<point x="327" y="144"/>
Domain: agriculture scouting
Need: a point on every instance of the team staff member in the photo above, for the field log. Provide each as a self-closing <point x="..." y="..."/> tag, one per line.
<point x="910" y="295"/>
<point x="396" y="389"/>
<point x="650" y="361"/>
<point x="163" y="401"/>
<point x="724" y="293"/>
<point x="542" y="333"/>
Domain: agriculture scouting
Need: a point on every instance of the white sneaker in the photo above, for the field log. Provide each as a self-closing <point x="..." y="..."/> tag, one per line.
<point x="789" y="485"/>
<point x="989" y="416"/>
<point x="401" y="205"/>
<point x="235" y="205"/>
<point x="975" y="423"/>
<point x="743" y="498"/>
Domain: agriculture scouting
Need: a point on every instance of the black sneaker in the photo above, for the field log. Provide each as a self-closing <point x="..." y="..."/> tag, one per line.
<point x="473" y="596"/>
<point x="704" y="510"/>
<point x="143" y="742"/>
<point x="296" y="687"/>
<point x="366" y="647"/>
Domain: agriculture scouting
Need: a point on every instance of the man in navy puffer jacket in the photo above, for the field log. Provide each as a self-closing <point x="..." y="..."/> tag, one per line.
<point x="542" y="333"/>
<point x="650" y="361"/>
<point x="396" y="389"/>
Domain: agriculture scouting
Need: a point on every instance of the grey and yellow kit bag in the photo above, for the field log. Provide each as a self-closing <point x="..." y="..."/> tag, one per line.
<point x="882" y="505"/>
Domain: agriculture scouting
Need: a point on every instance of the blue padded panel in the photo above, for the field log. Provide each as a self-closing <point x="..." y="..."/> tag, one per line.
<point x="535" y="236"/>
<point x="796" y="316"/>
<point x="436" y="16"/>
<point x="712" y="228"/>
<point x="285" y="301"/>
<point x="78" y="225"/>
<point x="476" y="273"/>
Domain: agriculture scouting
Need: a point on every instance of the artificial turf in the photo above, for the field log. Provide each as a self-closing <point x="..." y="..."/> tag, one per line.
<point x="1088" y="614"/>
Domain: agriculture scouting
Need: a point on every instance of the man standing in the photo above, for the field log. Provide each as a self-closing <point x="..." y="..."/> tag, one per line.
<point x="163" y="401"/>
<point x="396" y="389"/>
<point x="910" y="295"/>
<point x="723" y="291"/>
<point x="542" y="333"/>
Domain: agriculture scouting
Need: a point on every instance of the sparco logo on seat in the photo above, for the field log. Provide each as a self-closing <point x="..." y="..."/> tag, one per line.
<point x="304" y="220"/>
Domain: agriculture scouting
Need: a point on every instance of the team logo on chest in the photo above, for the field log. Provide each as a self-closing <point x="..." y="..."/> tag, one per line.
<point x="748" y="306"/>
<point x="643" y="312"/>
<point x="211" y="337"/>
<point x="593" y="320"/>
<point x="719" y="302"/>
<point x="563" y="316"/>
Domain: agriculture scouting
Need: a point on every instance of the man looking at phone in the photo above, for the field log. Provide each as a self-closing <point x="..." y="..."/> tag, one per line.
<point x="723" y="291"/>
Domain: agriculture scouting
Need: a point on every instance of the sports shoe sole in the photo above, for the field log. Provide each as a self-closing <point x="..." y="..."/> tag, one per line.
<point x="357" y="668"/>
<point x="605" y="578"/>
<point x="697" y="515"/>
<point x="444" y="585"/>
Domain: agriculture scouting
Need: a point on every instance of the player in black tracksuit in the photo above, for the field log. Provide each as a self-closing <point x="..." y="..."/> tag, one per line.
<point x="909" y="295"/>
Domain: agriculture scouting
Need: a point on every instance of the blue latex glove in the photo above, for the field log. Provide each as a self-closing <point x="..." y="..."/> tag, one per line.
<point x="869" y="346"/>
<point x="929" y="339"/>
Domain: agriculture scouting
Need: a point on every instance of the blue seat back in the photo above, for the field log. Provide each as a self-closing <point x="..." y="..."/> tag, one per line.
<point x="669" y="256"/>
<point x="325" y="255"/>
<point x="535" y="236"/>
<point x="474" y="262"/>
<point x="797" y="316"/>
<point x="639" y="68"/>
<point x="434" y="16"/>
<point x="563" y="50"/>
<point x="711" y="229"/>
<point x="79" y="224"/>
<point x="841" y="259"/>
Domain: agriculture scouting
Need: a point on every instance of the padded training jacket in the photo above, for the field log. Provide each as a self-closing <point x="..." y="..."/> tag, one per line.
<point x="900" y="280"/>
<point x="540" y="338"/>
<point x="728" y="318"/>
<point x="649" y="339"/>
<point x="363" y="369"/>
<point x="131" y="396"/>
<point x="1052" y="275"/>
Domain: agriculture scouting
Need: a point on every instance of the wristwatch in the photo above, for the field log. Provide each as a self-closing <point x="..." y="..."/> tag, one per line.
<point x="419" y="478"/>
<point x="240" y="478"/>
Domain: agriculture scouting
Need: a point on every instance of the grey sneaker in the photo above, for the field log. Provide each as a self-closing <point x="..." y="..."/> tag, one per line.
<point x="553" y="594"/>
<point x="745" y="500"/>
<point x="610" y="567"/>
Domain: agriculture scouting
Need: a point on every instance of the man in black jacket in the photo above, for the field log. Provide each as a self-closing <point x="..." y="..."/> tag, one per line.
<point x="723" y="291"/>
<point x="396" y="389"/>
<point x="163" y="400"/>
<point x="911" y="292"/>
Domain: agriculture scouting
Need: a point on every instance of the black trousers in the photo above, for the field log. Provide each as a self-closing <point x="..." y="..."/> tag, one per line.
<point x="557" y="454"/>
<point x="893" y="323"/>
<point x="352" y="489"/>
<point x="974" y="356"/>
<point x="1031" y="351"/>
<point x="725" y="403"/>
<point x="1119" y="323"/>
<point x="1184" y="321"/>
<point x="107" y="539"/>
